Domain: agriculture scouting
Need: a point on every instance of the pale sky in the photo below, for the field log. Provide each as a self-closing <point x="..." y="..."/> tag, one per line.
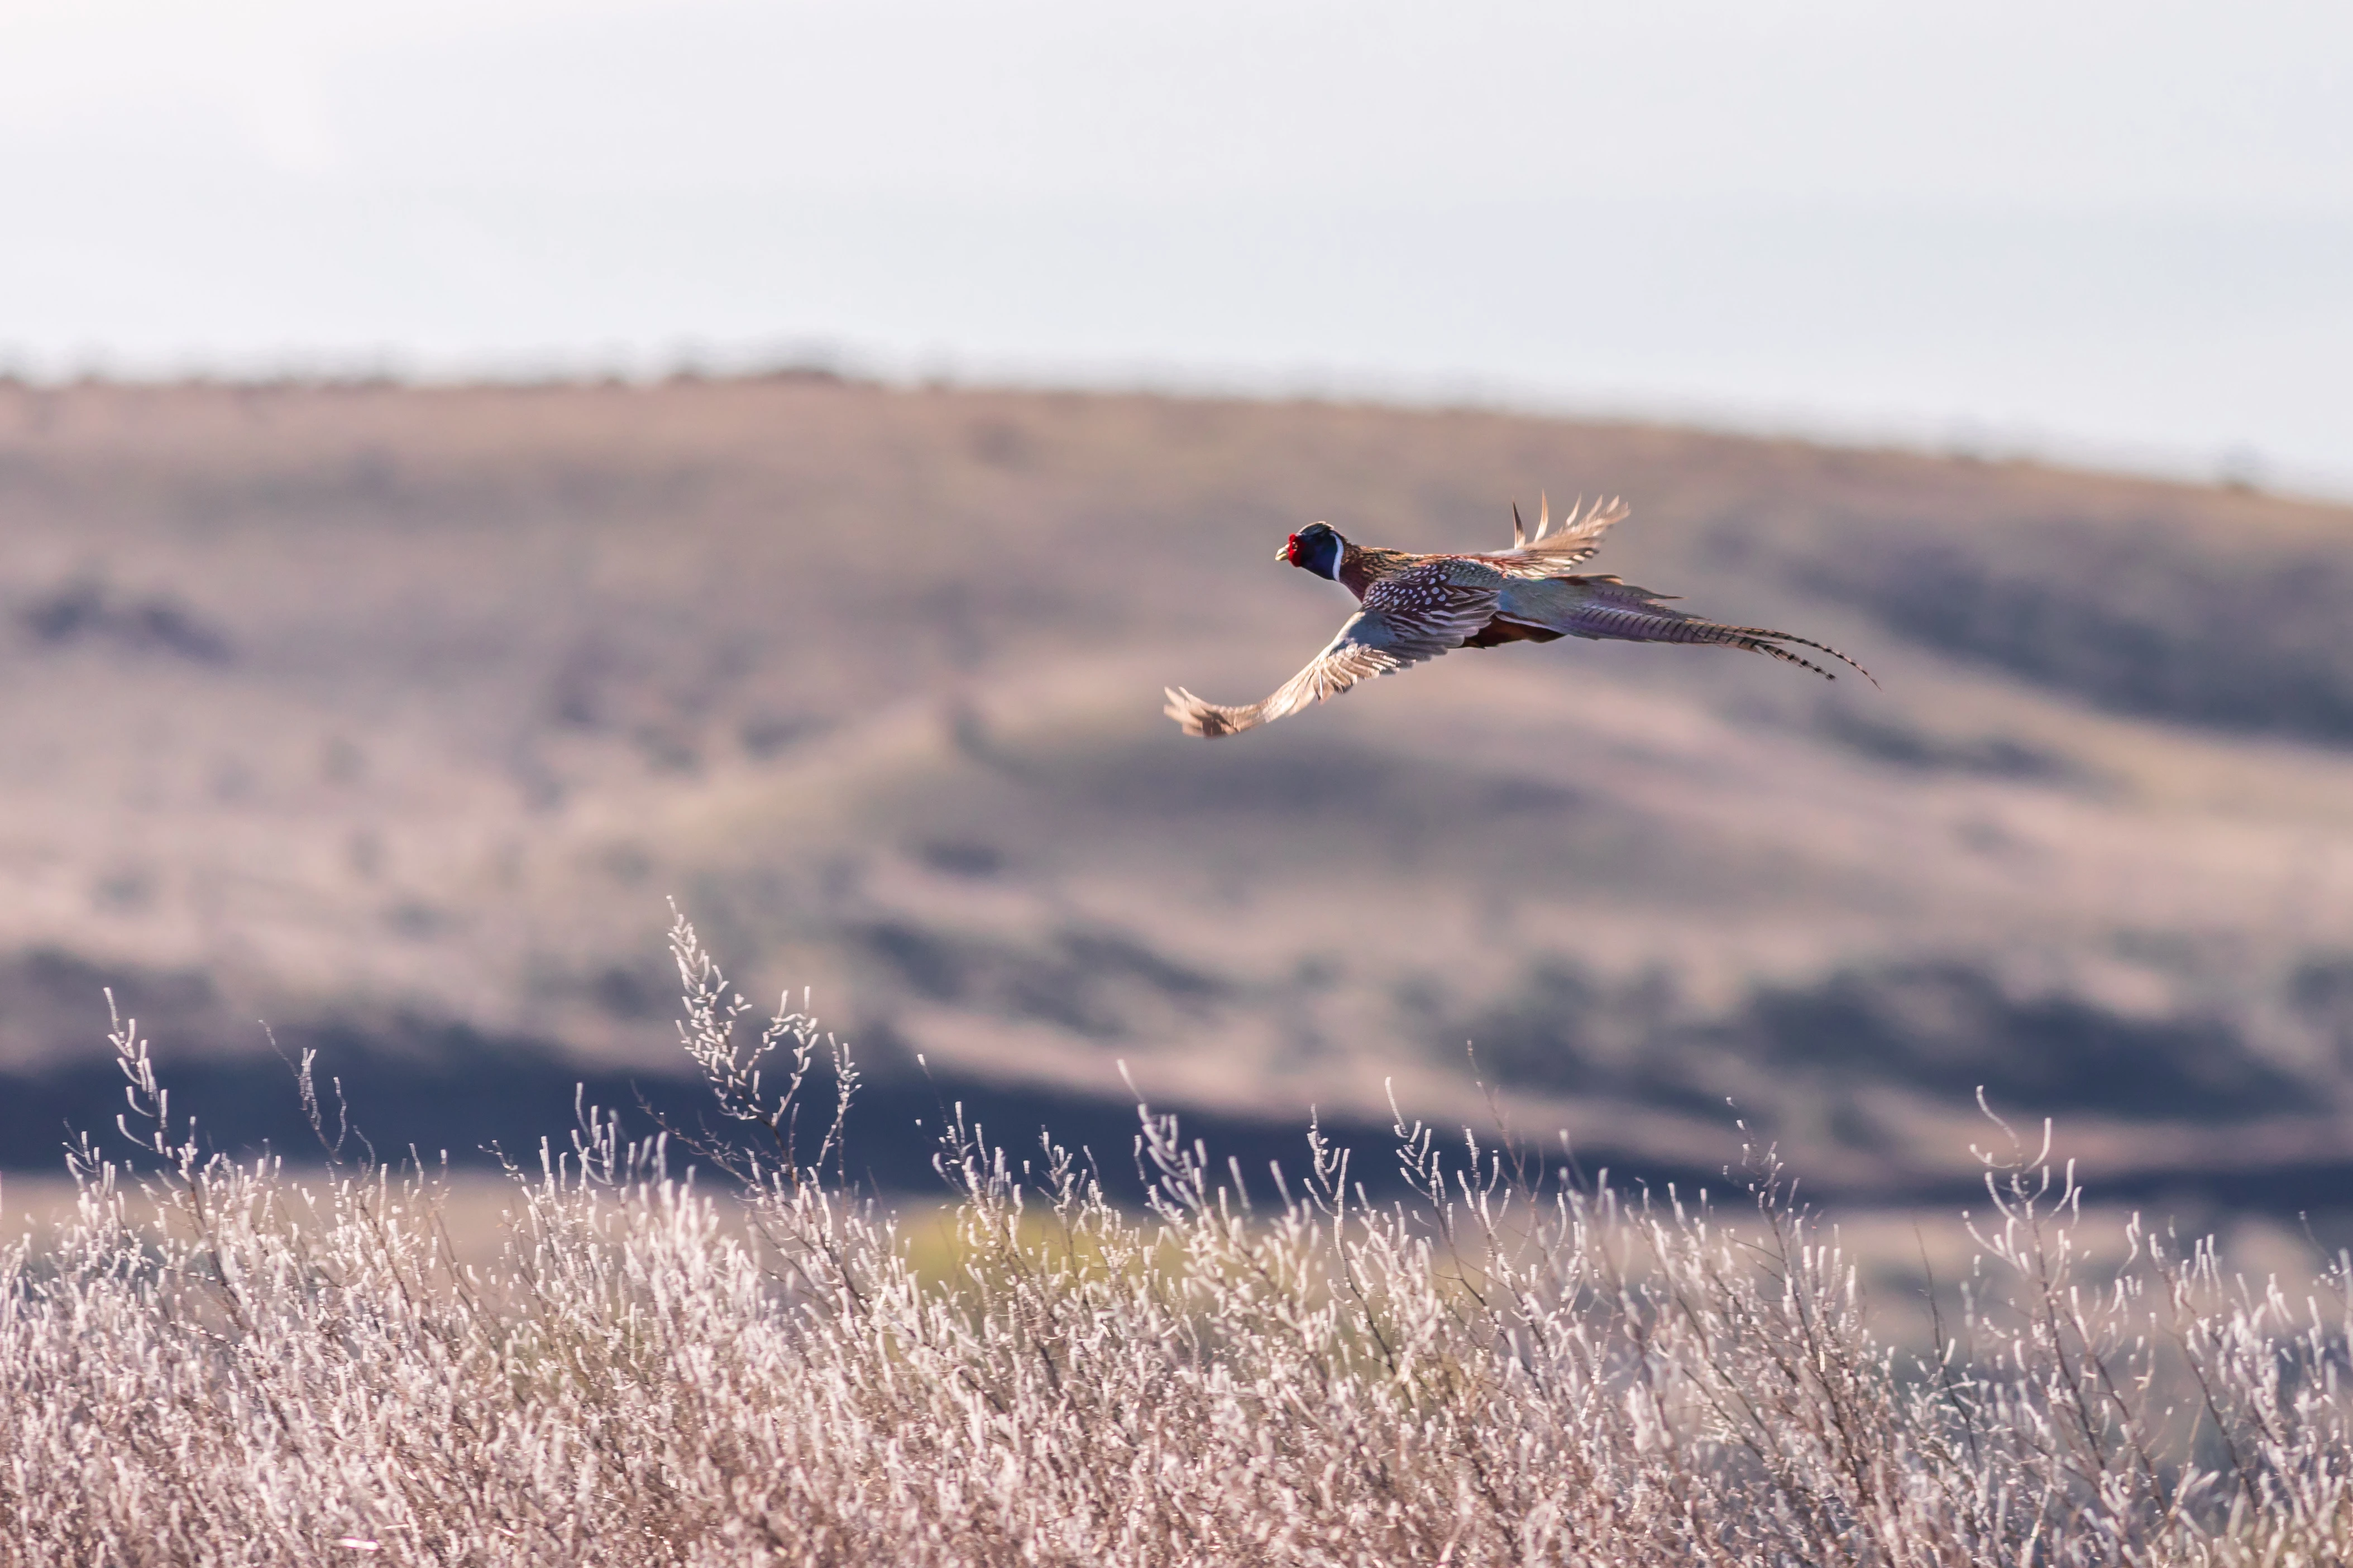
<point x="2117" y="231"/>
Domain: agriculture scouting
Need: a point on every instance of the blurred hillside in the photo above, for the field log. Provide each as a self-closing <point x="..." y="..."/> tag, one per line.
<point x="392" y="715"/>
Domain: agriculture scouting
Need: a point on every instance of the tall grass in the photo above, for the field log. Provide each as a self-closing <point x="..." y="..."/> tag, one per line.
<point x="214" y="1362"/>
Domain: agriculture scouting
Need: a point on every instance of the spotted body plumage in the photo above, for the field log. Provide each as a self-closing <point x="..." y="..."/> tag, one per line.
<point x="1417" y="606"/>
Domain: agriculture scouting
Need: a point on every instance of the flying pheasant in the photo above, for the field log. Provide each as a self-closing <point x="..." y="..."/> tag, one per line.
<point x="1419" y="607"/>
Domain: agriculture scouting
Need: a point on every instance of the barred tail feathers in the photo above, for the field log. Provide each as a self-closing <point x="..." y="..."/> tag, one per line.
<point x="1607" y="609"/>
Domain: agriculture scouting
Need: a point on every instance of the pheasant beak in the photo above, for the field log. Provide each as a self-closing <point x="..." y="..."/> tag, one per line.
<point x="1289" y="552"/>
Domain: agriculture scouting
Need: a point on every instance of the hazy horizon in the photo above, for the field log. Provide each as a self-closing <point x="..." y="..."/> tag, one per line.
<point x="2114" y="235"/>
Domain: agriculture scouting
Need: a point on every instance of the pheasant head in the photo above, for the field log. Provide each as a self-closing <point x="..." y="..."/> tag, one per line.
<point x="1316" y="547"/>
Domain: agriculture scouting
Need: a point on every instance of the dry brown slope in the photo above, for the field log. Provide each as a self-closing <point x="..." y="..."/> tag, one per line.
<point x="357" y="701"/>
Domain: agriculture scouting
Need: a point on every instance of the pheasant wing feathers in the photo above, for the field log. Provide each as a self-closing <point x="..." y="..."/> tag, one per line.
<point x="1331" y="672"/>
<point x="1553" y="550"/>
<point x="1411" y="616"/>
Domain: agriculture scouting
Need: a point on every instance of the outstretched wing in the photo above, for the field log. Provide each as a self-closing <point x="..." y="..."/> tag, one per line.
<point x="1553" y="550"/>
<point x="1414" y="615"/>
<point x="1606" y="609"/>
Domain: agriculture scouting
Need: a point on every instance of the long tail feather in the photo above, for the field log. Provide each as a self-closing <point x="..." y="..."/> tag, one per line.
<point x="1606" y="609"/>
<point x="1668" y="625"/>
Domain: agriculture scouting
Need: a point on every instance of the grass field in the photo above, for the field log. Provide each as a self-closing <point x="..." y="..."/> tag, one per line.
<point x="220" y="1362"/>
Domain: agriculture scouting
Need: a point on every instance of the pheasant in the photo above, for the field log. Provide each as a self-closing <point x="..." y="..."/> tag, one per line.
<point x="1419" y="607"/>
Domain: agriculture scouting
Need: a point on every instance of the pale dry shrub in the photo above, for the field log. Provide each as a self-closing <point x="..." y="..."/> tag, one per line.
<point x="223" y="1363"/>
